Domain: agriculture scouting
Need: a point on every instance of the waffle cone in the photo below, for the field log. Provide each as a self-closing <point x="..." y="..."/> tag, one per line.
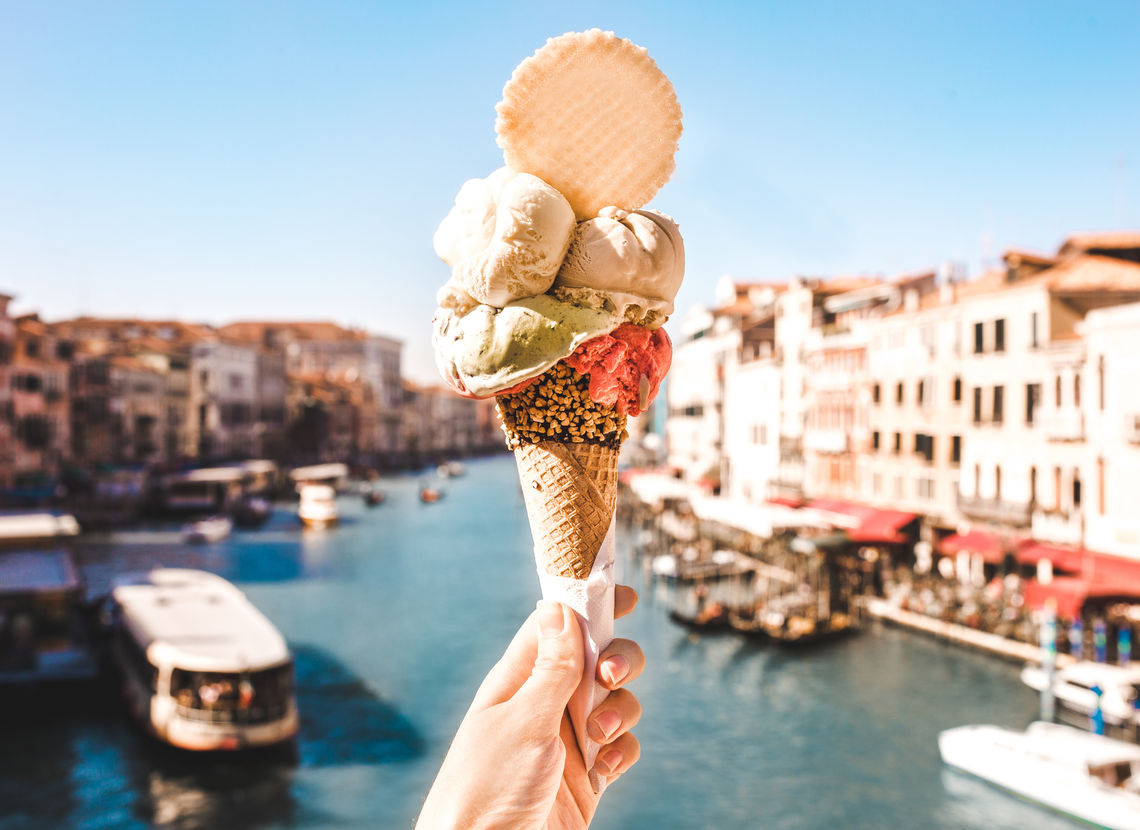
<point x="570" y="492"/>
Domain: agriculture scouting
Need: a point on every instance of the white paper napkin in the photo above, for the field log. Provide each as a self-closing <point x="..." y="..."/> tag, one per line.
<point x="593" y="601"/>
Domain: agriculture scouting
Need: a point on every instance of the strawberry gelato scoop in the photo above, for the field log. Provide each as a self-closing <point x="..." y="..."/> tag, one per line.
<point x="625" y="367"/>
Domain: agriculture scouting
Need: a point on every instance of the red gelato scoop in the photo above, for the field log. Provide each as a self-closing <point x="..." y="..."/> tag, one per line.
<point x="625" y="367"/>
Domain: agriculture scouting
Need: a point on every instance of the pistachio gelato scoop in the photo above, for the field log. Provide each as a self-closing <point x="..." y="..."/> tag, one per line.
<point x="488" y="350"/>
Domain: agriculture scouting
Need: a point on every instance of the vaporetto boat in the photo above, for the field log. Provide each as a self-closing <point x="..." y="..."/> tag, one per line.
<point x="201" y="667"/>
<point x="1079" y="774"/>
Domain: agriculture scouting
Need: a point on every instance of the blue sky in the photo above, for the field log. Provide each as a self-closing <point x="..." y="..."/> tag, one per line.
<point x="226" y="160"/>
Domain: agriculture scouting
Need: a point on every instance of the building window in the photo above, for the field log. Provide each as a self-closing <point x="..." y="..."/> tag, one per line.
<point x="957" y="390"/>
<point x="1034" y="342"/>
<point x="1032" y="401"/>
<point x="997" y="483"/>
<point x="1057" y="391"/>
<point x="899" y="393"/>
<point x="1100" y="382"/>
<point x="1057" y="488"/>
<point x="956" y="449"/>
<point x="921" y="392"/>
<point x="1076" y="488"/>
<point x="875" y="440"/>
<point x="979" y="339"/>
<point x="898" y="443"/>
<point x="875" y="393"/>
<point x="999" y="395"/>
<point x="977" y="404"/>
<point x="1076" y="389"/>
<point x="1032" y="486"/>
<point x="999" y="335"/>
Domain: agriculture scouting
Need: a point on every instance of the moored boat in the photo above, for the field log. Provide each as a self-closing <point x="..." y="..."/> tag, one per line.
<point x="373" y="497"/>
<point x="23" y="529"/>
<point x="206" y="531"/>
<point x="317" y="507"/>
<point x="252" y="512"/>
<point x="201" y="667"/>
<point x="1084" y="776"/>
<point x="44" y="628"/>
<point x="1075" y="689"/>
<point x="430" y="495"/>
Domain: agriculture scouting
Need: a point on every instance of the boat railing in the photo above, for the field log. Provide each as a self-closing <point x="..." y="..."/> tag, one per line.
<point x="236" y="716"/>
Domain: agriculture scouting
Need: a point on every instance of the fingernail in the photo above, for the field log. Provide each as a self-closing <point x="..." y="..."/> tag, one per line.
<point x="614" y="669"/>
<point x="608" y="761"/>
<point x="604" y="725"/>
<point x="551" y="621"/>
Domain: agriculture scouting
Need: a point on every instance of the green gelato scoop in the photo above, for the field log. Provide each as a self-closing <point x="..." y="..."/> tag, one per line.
<point x="488" y="350"/>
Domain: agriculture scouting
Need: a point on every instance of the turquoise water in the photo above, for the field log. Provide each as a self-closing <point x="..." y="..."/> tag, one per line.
<point x="395" y="618"/>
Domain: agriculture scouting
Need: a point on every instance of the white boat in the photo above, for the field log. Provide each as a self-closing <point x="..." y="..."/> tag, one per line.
<point x="1081" y="775"/>
<point x="202" y="668"/>
<point x="1073" y="689"/>
<point x="317" y="507"/>
<point x="335" y="475"/>
<point x="213" y="529"/>
<point x="44" y="632"/>
<point x="451" y="469"/>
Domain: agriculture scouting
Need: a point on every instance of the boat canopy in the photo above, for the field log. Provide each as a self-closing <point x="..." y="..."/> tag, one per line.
<point x="35" y="573"/>
<point x="197" y="621"/>
<point x="36" y="526"/>
<point x="319" y="472"/>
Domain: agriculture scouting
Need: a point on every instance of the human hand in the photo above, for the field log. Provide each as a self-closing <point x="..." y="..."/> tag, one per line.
<point x="515" y="762"/>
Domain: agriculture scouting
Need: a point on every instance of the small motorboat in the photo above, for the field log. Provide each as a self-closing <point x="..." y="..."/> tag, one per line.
<point x="206" y="531"/>
<point x="252" y="512"/>
<point x="373" y="497"/>
<point x="430" y="495"/>
<point x="1088" y="777"/>
<point x="1075" y="689"/>
<point x="317" y="508"/>
<point x="450" y="469"/>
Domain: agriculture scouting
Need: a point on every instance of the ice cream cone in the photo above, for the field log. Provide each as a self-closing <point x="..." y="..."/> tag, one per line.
<point x="570" y="491"/>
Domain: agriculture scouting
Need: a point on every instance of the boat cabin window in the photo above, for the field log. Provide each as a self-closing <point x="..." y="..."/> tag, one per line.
<point x="267" y="688"/>
<point x="135" y="660"/>
<point x="1113" y="773"/>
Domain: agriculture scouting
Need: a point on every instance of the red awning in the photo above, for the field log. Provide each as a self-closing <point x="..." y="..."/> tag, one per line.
<point x="844" y="508"/>
<point x="1100" y="568"/>
<point x="986" y="545"/>
<point x="1071" y="592"/>
<point x="882" y="527"/>
<point x="1069" y="560"/>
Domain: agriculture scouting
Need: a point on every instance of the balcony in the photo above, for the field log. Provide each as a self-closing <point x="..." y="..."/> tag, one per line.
<point x="1063" y="424"/>
<point x="1017" y="514"/>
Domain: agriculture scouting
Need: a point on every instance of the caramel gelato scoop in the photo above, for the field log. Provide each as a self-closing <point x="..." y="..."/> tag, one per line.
<point x="634" y="259"/>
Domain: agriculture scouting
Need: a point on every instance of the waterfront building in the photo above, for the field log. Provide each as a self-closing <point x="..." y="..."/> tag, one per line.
<point x="138" y="412"/>
<point x="837" y="390"/>
<point x="38" y="388"/>
<point x="916" y="403"/>
<point x="319" y="347"/>
<point x="752" y="411"/>
<point x="709" y="349"/>
<point x="1111" y="412"/>
<point x="223" y="399"/>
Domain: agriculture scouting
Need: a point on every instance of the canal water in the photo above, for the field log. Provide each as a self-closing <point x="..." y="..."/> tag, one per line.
<point x="396" y="615"/>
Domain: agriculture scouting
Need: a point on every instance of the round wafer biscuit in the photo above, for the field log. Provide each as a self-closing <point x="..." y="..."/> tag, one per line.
<point x="592" y="115"/>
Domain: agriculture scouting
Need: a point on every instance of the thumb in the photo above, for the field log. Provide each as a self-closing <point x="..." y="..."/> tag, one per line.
<point x="558" y="667"/>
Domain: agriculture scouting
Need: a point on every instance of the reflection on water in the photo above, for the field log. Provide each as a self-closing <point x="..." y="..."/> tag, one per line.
<point x="345" y="722"/>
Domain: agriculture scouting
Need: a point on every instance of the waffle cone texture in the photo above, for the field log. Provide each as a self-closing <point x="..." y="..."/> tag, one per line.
<point x="570" y="491"/>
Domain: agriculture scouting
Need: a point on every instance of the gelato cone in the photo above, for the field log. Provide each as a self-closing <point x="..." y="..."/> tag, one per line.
<point x="560" y="284"/>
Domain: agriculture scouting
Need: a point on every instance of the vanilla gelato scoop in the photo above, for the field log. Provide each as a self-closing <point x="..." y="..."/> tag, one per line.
<point x="506" y="237"/>
<point x="634" y="259"/>
<point x="488" y="350"/>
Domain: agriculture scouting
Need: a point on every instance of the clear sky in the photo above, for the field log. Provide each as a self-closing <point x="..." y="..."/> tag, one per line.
<point x="224" y="160"/>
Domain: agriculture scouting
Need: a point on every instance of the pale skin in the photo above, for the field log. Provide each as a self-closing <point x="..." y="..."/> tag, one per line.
<point x="514" y="762"/>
